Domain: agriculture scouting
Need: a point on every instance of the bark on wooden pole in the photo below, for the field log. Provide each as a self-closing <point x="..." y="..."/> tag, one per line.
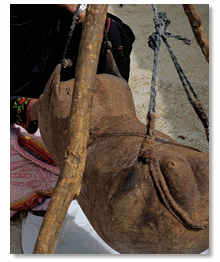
<point x="196" y="24"/>
<point x="69" y="183"/>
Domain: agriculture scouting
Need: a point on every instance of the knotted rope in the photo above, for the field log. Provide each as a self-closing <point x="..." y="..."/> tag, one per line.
<point x="146" y="154"/>
<point x="161" y="24"/>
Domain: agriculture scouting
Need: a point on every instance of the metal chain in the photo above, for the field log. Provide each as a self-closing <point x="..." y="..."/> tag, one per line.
<point x="70" y="34"/>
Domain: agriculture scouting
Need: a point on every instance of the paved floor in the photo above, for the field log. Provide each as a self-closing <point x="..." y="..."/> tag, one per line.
<point x="15" y="237"/>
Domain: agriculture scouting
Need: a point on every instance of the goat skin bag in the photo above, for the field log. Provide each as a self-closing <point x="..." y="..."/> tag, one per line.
<point x="134" y="209"/>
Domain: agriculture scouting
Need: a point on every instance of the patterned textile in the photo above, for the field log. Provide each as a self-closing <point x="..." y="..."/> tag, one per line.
<point x="33" y="173"/>
<point x="20" y="109"/>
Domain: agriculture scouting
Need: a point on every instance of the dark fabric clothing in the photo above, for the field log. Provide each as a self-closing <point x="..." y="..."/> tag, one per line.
<point x="38" y="37"/>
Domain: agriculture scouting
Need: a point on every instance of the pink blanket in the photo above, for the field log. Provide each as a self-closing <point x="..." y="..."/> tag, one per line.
<point x="33" y="174"/>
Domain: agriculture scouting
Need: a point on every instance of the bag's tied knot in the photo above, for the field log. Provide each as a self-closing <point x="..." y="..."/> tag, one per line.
<point x="146" y="153"/>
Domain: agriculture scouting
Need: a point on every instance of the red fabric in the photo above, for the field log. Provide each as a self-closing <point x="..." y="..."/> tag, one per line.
<point x="35" y="147"/>
<point x="108" y="22"/>
<point x="31" y="200"/>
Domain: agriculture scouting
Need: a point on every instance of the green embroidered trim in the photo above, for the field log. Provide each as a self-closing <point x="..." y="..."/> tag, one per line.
<point x="20" y="107"/>
<point x="20" y="110"/>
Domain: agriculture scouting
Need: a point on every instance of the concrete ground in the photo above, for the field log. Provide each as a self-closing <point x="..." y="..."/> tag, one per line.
<point x="15" y="237"/>
<point x="175" y="116"/>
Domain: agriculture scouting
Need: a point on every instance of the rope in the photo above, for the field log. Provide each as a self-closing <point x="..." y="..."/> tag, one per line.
<point x="147" y="153"/>
<point x="161" y="24"/>
<point x="154" y="43"/>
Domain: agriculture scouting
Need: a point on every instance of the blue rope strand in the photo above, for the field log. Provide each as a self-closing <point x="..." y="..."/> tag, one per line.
<point x="161" y="24"/>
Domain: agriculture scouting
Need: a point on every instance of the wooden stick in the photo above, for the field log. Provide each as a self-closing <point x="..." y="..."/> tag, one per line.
<point x="196" y="24"/>
<point x="69" y="183"/>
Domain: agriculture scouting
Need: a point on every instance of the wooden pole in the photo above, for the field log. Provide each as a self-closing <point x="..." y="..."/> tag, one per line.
<point x="69" y="183"/>
<point x="196" y="24"/>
